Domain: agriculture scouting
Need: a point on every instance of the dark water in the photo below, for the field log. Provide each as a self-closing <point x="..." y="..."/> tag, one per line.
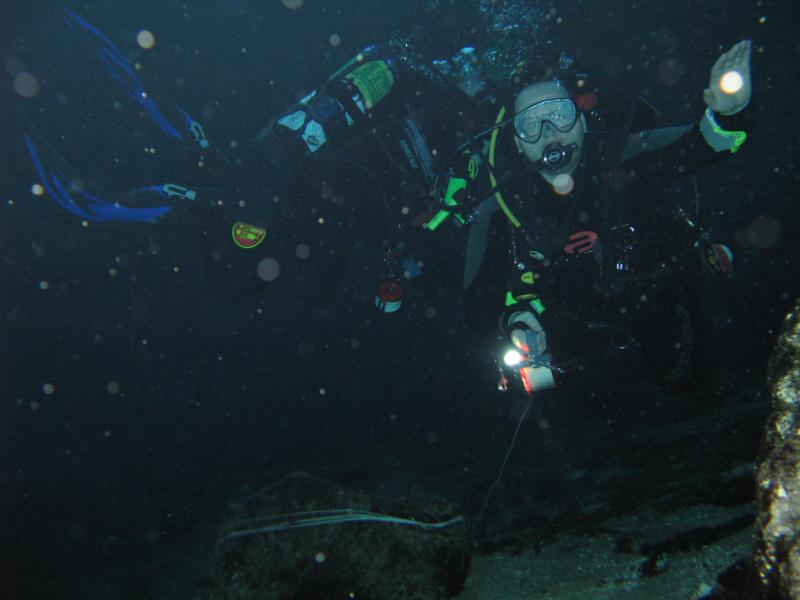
<point x="132" y="403"/>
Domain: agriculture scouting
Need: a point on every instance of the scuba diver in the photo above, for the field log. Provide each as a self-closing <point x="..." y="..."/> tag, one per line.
<point x="595" y="176"/>
<point x="548" y="198"/>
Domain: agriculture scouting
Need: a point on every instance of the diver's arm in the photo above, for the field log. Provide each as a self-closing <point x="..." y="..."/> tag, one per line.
<point x="668" y="152"/>
<point x="720" y="131"/>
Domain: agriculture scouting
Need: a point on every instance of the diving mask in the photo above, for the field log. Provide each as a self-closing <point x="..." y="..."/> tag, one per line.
<point x="561" y="113"/>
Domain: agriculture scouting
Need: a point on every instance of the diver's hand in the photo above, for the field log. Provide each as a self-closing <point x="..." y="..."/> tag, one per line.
<point x="737" y="59"/>
<point x="532" y="340"/>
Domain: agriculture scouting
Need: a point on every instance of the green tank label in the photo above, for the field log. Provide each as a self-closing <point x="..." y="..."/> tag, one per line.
<point x="373" y="80"/>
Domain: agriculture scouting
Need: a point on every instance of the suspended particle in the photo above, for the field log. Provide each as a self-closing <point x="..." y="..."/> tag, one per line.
<point x="269" y="269"/>
<point x="146" y="39"/>
<point x="563" y="184"/>
<point x="26" y="85"/>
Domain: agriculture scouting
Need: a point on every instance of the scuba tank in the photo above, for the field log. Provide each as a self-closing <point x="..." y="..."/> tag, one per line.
<point x="340" y="107"/>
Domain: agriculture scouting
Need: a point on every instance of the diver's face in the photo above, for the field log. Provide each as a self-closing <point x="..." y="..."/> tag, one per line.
<point x="539" y="92"/>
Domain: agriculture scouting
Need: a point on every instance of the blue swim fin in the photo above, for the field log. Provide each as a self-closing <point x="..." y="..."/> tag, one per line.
<point x="83" y="204"/>
<point x="118" y="68"/>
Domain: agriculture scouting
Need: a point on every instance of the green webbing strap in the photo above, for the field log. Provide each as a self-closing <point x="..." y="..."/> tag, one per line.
<point x="537" y="306"/>
<point x="718" y="138"/>
<point x="535" y="303"/>
<point x="437" y="220"/>
<point x="455" y="185"/>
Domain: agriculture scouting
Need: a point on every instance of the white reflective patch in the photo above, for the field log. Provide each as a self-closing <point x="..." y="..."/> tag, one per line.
<point x="387" y="307"/>
<point x="349" y="119"/>
<point x="357" y="101"/>
<point x="293" y="121"/>
<point x="314" y="136"/>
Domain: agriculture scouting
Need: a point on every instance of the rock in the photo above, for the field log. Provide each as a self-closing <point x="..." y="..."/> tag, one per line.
<point x="306" y="560"/>
<point x="777" y="540"/>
